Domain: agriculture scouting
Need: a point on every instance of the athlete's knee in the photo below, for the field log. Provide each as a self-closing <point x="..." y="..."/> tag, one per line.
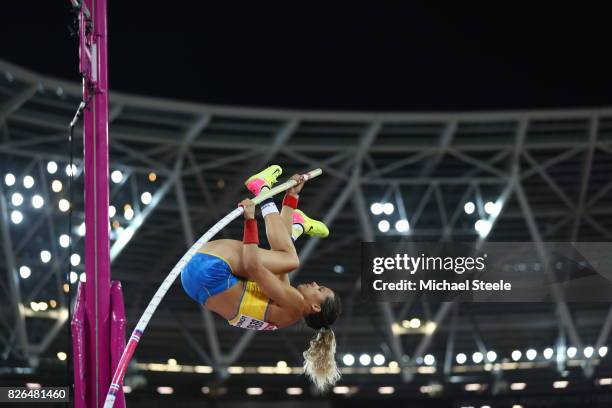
<point x="284" y="245"/>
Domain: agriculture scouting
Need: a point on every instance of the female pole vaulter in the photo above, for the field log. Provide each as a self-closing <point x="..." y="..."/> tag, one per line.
<point x="249" y="286"/>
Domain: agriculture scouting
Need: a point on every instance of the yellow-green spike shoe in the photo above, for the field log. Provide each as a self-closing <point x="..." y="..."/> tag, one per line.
<point x="265" y="178"/>
<point x="311" y="227"/>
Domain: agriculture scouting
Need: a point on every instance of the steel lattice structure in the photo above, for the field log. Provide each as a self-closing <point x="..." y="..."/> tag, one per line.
<point x="550" y="169"/>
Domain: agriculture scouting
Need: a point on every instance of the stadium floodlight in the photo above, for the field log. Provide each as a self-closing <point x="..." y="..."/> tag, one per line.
<point x="16" y="217"/>
<point x="128" y="214"/>
<point x="112" y="211"/>
<point x="429" y="359"/>
<point x="75" y="259"/>
<point x="25" y="272"/>
<point x="548" y="353"/>
<point x="415" y="323"/>
<point x="56" y="186"/>
<point x="461" y="358"/>
<point x="516" y="355"/>
<point x="518" y="386"/>
<point x="402" y="225"/>
<point x="37" y="201"/>
<point x="338" y="268"/>
<point x="588" y="351"/>
<point x="64" y="205"/>
<point x="383" y="226"/>
<point x="531" y="354"/>
<point x="116" y="176"/>
<point x="74" y="277"/>
<point x="51" y="167"/>
<point x="388" y="208"/>
<point x="571" y="352"/>
<point x="254" y="391"/>
<point x="294" y="391"/>
<point x="81" y="230"/>
<point x="386" y="390"/>
<point x="348" y="360"/>
<point x="45" y="256"/>
<point x="16" y="199"/>
<point x="64" y="240"/>
<point x="469" y="207"/>
<point x="477" y="357"/>
<point x="28" y="182"/>
<point x="473" y="387"/>
<point x="365" y="359"/>
<point x="379" y="359"/>
<point x="376" y="208"/>
<point x="560" y="384"/>
<point x="491" y="356"/>
<point x="71" y="170"/>
<point x="492" y="208"/>
<point x="483" y="227"/>
<point x="146" y="198"/>
<point x="83" y="277"/>
<point x="9" y="179"/>
<point x="603" y="351"/>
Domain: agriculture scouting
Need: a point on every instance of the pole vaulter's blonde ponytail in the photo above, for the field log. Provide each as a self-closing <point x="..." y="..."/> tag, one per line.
<point x="320" y="358"/>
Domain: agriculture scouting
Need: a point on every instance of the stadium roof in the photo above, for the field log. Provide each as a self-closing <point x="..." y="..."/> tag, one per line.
<point x="427" y="164"/>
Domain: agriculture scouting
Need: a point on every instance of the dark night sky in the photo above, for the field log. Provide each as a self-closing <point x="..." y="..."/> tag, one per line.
<point x="344" y="57"/>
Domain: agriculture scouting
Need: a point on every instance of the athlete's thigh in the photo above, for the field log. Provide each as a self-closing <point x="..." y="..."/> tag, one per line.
<point x="277" y="262"/>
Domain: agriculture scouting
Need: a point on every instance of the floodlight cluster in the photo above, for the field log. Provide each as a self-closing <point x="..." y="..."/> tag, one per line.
<point x="30" y="197"/>
<point x="402" y="225"/>
<point x="483" y="225"/>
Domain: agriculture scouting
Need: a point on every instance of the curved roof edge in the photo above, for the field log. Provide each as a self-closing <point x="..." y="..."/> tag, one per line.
<point x="167" y="104"/>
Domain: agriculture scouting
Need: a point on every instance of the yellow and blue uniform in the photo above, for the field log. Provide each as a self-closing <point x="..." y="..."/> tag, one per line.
<point x="252" y="310"/>
<point x="206" y="275"/>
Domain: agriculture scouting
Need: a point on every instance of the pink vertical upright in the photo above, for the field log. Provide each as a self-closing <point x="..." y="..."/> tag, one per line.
<point x="117" y="339"/>
<point x="80" y="343"/>
<point x="93" y="65"/>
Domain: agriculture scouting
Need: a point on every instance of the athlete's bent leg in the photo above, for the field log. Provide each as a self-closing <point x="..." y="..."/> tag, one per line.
<point x="282" y="258"/>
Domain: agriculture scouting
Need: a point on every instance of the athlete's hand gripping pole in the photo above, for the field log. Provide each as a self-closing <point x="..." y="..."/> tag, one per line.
<point x="117" y="380"/>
